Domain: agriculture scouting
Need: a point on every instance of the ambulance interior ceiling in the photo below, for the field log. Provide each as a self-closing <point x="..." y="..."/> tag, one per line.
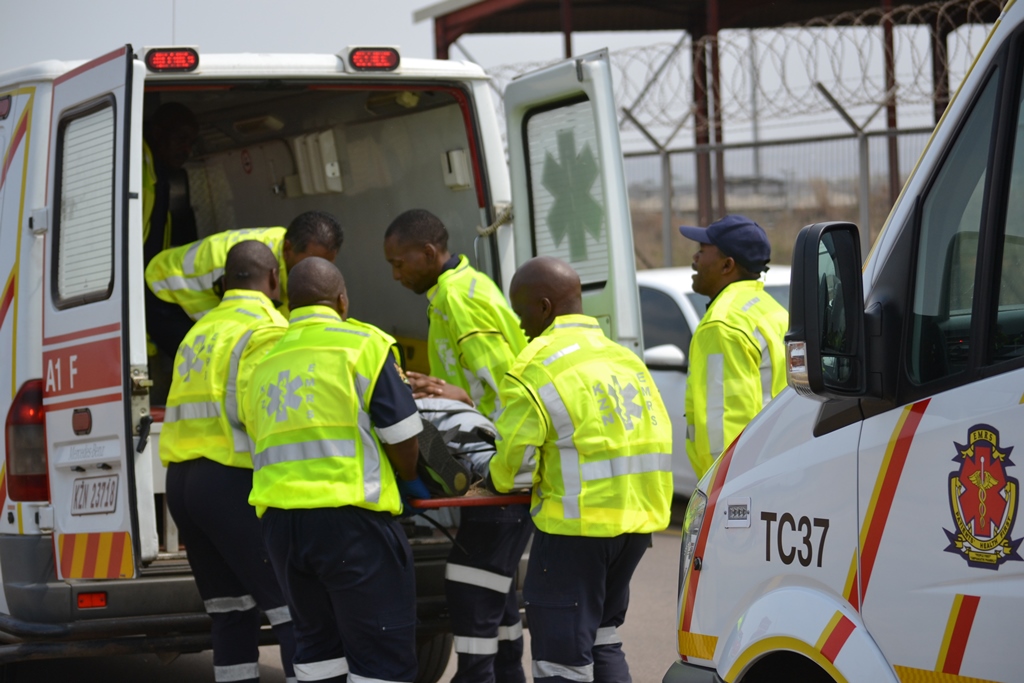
<point x="266" y="154"/>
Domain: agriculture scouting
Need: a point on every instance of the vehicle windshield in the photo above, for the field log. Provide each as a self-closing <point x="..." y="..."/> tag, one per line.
<point x="779" y="292"/>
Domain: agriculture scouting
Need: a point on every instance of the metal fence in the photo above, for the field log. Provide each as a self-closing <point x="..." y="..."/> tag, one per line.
<point x="782" y="184"/>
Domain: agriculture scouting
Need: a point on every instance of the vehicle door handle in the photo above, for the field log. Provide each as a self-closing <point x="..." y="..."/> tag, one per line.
<point x="145" y="422"/>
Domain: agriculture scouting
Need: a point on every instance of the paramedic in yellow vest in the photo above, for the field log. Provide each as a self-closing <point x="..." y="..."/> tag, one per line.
<point x="166" y="146"/>
<point x="473" y="340"/>
<point x="209" y="467"/>
<point x="582" y="424"/>
<point x="335" y="427"/>
<point x="737" y="355"/>
<point x="185" y="278"/>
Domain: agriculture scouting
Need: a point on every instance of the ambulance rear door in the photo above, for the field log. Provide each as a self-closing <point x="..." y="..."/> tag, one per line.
<point x="569" y="188"/>
<point x="93" y="331"/>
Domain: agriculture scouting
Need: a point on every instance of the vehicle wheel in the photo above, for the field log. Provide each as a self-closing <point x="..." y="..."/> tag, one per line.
<point x="433" y="652"/>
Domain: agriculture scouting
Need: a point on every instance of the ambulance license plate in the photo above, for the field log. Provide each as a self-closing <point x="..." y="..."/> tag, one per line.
<point x="94" y="495"/>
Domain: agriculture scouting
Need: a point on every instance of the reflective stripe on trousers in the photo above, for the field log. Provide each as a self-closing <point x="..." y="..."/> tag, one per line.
<point x="316" y="671"/>
<point x="238" y="604"/>
<point x="236" y="672"/>
<point x="477" y="577"/>
<point x="567" y="453"/>
<point x="584" y="674"/>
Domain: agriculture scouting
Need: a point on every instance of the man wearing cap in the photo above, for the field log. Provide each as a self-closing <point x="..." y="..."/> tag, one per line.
<point x="737" y="354"/>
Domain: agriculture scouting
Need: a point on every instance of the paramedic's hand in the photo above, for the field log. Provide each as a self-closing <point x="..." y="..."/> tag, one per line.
<point x="426" y="386"/>
<point x="411" y="490"/>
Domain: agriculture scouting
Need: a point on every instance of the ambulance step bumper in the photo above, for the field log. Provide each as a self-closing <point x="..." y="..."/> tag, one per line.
<point x="681" y="672"/>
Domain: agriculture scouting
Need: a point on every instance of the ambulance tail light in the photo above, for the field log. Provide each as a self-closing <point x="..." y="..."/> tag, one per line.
<point x="25" y="440"/>
<point x="373" y="58"/>
<point x="692" y="523"/>
<point x="173" y="59"/>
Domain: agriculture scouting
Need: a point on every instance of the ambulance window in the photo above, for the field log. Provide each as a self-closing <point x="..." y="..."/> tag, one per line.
<point x="948" y="249"/>
<point x="1007" y="339"/>
<point x="84" y="215"/>
<point x="566" y="196"/>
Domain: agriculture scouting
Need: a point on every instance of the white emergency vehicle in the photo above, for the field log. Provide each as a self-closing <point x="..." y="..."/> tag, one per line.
<point x="89" y="561"/>
<point x="865" y="526"/>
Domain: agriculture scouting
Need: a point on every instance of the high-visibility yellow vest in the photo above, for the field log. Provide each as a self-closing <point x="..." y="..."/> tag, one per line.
<point x="737" y="365"/>
<point x="211" y="373"/>
<point x="308" y="412"/>
<point x="584" y="423"/>
<point x="474" y="336"/>
<point x="185" y="275"/>
<point x="149" y="196"/>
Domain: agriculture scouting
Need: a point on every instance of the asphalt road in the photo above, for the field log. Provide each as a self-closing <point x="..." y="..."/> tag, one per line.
<point x="648" y="639"/>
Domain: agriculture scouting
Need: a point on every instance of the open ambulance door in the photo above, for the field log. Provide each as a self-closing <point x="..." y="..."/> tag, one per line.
<point x="569" y="188"/>
<point x="93" y="329"/>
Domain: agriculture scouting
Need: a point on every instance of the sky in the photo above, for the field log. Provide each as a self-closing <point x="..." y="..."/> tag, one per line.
<point x="36" y="30"/>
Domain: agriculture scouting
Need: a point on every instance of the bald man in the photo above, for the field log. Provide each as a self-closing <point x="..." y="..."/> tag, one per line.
<point x="584" y="425"/>
<point x="209" y="467"/>
<point x="323" y="406"/>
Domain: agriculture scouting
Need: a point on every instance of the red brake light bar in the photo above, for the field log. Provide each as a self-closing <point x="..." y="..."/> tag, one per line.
<point x="373" y="58"/>
<point x="172" y="59"/>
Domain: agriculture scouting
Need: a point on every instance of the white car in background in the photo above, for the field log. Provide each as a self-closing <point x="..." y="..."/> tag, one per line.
<point x="670" y="311"/>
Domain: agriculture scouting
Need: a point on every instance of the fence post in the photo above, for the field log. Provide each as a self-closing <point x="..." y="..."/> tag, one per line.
<point x="666" y="207"/>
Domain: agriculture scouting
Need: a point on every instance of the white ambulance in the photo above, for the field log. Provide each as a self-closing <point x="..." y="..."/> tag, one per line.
<point x="89" y="560"/>
<point x="864" y="527"/>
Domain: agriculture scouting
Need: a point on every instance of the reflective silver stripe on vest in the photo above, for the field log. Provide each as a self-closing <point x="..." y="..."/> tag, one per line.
<point x="279" y="615"/>
<point x="765" y="368"/>
<point x="242" y="297"/>
<point x="608" y="635"/>
<point x="564" y="352"/>
<point x="716" y="404"/>
<point x="236" y="672"/>
<point x="238" y="433"/>
<point x="197" y="410"/>
<point x="569" y="456"/>
<point x="583" y="325"/>
<point x="177" y="283"/>
<point x="371" y="455"/>
<point x="468" y="645"/>
<point x="626" y="464"/>
<point x="524" y="477"/>
<point x="316" y="671"/>
<point x="239" y="604"/>
<point x="584" y="674"/>
<point x="306" y="450"/>
<point x="333" y="318"/>
<point x="460" y="573"/>
<point x="257" y="316"/>
<point x="341" y="329"/>
<point x="750" y="304"/>
<point x="188" y="264"/>
<point x="513" y="632"/>
<point x="472" y="287"/>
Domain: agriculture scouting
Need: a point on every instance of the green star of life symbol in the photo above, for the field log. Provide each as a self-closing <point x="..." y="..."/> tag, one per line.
<point x="281" y="401"/>
<point x="575" y="212"/>
<point x="192" y="362"/>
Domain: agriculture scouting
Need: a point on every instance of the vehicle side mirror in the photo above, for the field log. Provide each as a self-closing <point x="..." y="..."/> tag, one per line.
<point x="665" y="357"/>
<point x="825" y="347"/>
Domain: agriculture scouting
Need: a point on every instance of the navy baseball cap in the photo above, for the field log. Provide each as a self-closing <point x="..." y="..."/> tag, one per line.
<point x="735" y="236"/>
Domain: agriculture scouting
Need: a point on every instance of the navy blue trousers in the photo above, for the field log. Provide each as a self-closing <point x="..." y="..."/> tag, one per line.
<point x="210" y="505"/>
<point x="349" y="578"/>
<point x="480" y="588"/>
<point x="576" y="593"/>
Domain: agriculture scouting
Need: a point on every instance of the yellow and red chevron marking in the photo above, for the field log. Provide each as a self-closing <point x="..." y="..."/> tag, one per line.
<point x="908" y="674"/>
<point x="96" y="556"/>
<point x="834" y="637"/>
<point x="958" y="629"/>
<point x="881" y="502"/>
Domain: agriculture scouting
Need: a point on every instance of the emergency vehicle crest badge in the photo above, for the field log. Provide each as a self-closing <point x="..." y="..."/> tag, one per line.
<point x="983" y="500"/>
